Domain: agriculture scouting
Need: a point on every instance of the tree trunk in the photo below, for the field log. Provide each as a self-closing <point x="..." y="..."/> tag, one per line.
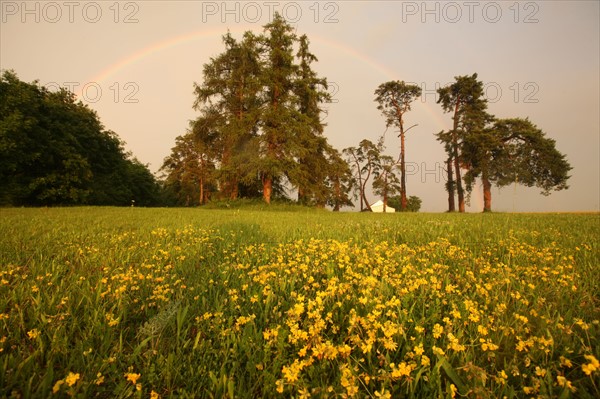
<point x="487" y="193"/>
<point x="301" y="196"/>
<point x="228" y="181"/>
<point x="267" y="189"/>
<point x="364" y="198"/>
<point x="403" y="201"/>
<point x="234" y="188"/>
<point x="459" y="188"/>
<point x="337" y="195"/>
<point x="450" y="186"/>
<point x="360" y="185"/>
<point x="385" y="194"/>
<point x="201" y="191"/>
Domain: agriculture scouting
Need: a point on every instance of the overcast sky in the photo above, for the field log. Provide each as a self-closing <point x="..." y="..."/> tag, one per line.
<point x="135" y="64"/>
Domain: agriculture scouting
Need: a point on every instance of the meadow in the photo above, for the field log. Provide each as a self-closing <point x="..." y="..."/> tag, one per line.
<point x="288" y="302"/>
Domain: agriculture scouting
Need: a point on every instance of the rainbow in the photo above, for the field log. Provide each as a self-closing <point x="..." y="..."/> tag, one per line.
<point x="203" y="34"/>
<point x="155" y="48"/>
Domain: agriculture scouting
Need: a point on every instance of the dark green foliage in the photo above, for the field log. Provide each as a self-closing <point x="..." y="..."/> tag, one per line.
<point x="55" y="151"/>
<point x="261" y="105"/>
<point x="515" y="151"/>
<point x="413" y="203"/>
<point x="339" y="181"/>
<point x="498" y="152"/>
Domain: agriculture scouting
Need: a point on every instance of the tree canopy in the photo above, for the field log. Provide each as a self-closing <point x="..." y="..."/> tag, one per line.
<point x="261" y="106"/>
<point x="55" y="151"/>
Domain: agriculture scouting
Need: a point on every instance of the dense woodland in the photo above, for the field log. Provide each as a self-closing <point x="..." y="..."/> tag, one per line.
<point x="260" y="134"/>
<point x="55" y="151"/>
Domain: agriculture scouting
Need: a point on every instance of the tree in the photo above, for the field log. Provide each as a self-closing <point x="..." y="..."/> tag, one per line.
<point x="230" y="97"/>
<point x="339" y="181"/>
<point x="386" y="183"/>
<point x="364" y="162"/>
<point x="394" y="100"/>
<point x="268" y="101"/>
<point x="281" y="122"/>
<point x="414" y="204"/>
<point x="514" y="150"/>
<point x="190" y="168"/>
<point x="465" y="99"/>
<point x="311" y="172"/>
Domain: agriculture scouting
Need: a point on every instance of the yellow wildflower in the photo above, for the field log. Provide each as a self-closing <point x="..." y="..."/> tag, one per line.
<point x="501" y="377"/>
<point x="565" y="362"/>
<point x="57" y="385"/>
<point x="33" y="334"/>
<point x="99" y="379"/>
<point x="402" y="369"/>
<point x="453" y="390"/>
<point x="418" y="349"/>
<point x="437" y="330"/>
<point x="437" y="351"/>
<point x="71" y="378"/>
<point x="383" y="394"/>
<point x="279" y="384"/>
<point x="592" y="366"/>
<point x="563" y="382"/>
<point x="154" y="395"/>
<point x="133" y="377"/>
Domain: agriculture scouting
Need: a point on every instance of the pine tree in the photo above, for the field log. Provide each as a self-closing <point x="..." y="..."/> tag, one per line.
<point x="514" y="150"/>
<point x="465" y="99"/>
<point x="281" y="121"/>
<point x="311" y="172"/>
<point x="231" y="88"/>
<point x="268" y="99"/>
<point x="339" y="180"/>
<point x="394" y="100"/>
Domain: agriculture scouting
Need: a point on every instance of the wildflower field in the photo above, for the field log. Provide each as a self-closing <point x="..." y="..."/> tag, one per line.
<point x="282" y="303"/>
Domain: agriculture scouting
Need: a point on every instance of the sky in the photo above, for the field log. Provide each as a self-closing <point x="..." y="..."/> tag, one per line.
<point x="135" y="64"/>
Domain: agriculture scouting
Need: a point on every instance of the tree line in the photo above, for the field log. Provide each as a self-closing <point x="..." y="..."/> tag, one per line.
<point x="479" y="146"/>
<point x="260" y="130"/>
<point x="55" y="151"/>
<point x="259" y="133"/>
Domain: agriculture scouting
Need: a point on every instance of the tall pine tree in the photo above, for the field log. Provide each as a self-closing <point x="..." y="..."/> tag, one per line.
<point x="465" y="100"/>
<point x="394" y="100"/>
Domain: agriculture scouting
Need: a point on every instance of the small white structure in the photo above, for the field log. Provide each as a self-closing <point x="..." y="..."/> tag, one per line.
<point x="378" y="207"/>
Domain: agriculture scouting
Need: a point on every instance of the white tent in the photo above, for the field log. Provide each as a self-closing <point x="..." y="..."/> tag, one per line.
<point x="378" y="207"/>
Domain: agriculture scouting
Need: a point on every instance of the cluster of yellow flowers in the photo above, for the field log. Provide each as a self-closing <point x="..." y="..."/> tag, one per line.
<point x="382" y="311"/>
<point x="337" y="318"/>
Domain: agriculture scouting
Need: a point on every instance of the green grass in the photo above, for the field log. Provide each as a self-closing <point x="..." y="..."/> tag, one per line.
<point x="248" y="301"/>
